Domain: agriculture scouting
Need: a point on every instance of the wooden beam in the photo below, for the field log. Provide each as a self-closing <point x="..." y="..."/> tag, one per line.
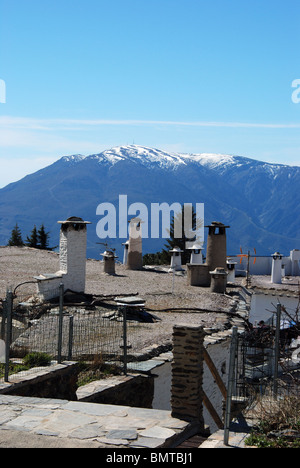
<point x="215" y="373"/>
<point x="212" y="411"/>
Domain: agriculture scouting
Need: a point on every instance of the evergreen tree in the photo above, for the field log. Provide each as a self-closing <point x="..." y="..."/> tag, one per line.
<point x="16" y="237"/>
<point x="43" y="238"/>
<point x="32" y="241"/>
<point x="186" y="234"/>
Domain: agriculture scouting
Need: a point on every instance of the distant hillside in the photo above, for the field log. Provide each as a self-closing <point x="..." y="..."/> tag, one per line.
<point x="260" y="201"/>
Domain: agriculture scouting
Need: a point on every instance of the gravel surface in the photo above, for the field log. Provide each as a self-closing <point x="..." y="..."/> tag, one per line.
<point x="186" y="304"/>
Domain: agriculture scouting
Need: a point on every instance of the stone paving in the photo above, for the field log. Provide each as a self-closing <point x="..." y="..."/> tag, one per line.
<point x="62" y="423"/>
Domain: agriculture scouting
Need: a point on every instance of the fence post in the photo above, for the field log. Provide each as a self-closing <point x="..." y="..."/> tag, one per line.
<point x="233" y="348"/>
<point x="4" y="319"/>
<point x="9" y="310"/>
<point x="71" y="322"/>
<point x="276" y="356"/>
<point x="125" y="338"/>
<point x="60" y="322"/>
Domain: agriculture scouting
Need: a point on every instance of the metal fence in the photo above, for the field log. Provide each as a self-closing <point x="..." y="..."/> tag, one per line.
<point x="64" y="332"/>
<point x="264" y="364"/>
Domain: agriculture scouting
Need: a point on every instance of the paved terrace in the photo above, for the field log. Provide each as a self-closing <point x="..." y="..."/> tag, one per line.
<point x="48" y="423"/>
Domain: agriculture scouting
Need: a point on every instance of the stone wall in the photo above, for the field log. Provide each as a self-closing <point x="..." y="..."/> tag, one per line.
<point x="129" y="390"/>
<point x="57" y="381"/>
<point x="187" y="374"/>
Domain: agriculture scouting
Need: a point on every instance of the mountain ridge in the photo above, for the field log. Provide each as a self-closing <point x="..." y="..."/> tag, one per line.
<point x="258" y="200"/>
<point x="118" y="153"/>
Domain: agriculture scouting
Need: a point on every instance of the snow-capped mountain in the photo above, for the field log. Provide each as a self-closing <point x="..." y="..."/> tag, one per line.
<point x="155" y="157"/>
<point x="260" y="201"/>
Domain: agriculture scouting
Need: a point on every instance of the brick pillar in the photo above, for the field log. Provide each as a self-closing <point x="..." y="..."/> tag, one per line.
<point x="187" y="374"/>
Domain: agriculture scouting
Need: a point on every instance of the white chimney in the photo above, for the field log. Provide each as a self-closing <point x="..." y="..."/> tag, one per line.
<point x="196" y="254"/>
<point x="175" y="259"/>
<point x="276" y="268"/>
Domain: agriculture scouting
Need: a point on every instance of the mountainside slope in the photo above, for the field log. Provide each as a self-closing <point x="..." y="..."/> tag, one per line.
<point x="258" y="200"/>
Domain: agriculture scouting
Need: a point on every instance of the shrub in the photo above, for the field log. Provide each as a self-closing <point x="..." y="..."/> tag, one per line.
<point x="37" y="360"/>
<point x="278" y="425"/>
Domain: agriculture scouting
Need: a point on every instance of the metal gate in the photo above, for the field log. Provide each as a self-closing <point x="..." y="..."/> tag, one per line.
<point x="264" y="362"/>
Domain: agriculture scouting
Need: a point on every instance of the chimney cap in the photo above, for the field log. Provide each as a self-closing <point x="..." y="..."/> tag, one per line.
<point x="276" y="255"/>
<point x="74" y="220"/>
<point x="219" y="271"/>
<point x="109" y="254"/>
<point x="217" y="224"/>
<point x="176" y="249"/>
<point x="195" y="247"/>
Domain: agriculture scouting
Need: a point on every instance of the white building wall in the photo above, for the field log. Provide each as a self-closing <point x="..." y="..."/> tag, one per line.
<point x="262" y="266"/>
<point x="219" y="354"/>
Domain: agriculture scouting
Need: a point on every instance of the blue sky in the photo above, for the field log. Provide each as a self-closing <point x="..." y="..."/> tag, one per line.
<point x="196" y="76"/>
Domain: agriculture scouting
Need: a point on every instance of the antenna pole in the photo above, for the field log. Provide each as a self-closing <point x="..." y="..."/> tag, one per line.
<point x="248" y="269"/>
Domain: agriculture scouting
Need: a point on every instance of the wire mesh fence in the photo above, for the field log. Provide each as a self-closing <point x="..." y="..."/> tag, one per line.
<point x="264" y="367"/>
<point x="267" y="362"/>
<point x="63" y="332"/>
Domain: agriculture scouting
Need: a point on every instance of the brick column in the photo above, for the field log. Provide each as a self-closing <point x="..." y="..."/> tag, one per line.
<point x="187" y="373"/>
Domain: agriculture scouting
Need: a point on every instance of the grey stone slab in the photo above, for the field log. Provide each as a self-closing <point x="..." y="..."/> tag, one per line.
<point x="94" y="408"/>
<point x="91" y="431"/>
<point x="23" y="423"/>
<point x="174" y="423"/>
<point x="145" y="413"/>
<point x="64" y="422"/>
<point x="129" y="434"/>
<point x="37" y="412"/>
<point x="158" y="432"/>
<point x="7" y="415"/>
<point x="147" y="442"/>
<point x="145" y="366"/>
<point x="112" y="442"/>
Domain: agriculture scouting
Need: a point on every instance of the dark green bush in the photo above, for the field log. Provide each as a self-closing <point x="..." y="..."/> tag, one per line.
<point x="37" y="360"/>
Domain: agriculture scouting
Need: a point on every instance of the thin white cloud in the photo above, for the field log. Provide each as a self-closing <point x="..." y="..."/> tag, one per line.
<point x="56" y="124"/>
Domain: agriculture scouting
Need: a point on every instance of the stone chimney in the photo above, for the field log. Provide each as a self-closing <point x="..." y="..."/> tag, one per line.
<point x="135" y="254"/>
<point x="109" y="266"/>
<point x="216" y="256"/>
<point x="72" y="260"/>
<point x="72" y="253"/>
<point x="216" y="253"/>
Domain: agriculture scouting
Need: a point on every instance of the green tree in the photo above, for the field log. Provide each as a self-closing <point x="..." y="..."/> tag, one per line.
<point x="186" y="234"/>
<point x="32" y="241"/>
<point x="16" y="237"/>
<point x="43" y="238"/>
<point x="154" y="259"/>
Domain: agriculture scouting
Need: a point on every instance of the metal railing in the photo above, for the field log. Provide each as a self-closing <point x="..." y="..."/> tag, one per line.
<point x="264" y="362"/>
<point x="63" y="332"/>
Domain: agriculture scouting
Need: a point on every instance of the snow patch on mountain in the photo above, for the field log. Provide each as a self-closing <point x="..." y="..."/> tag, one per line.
<point x="73" y="158"/>
<point x="210" y="159"/>
<point x="144" y="155"/>
<point x="155" y="158"/>
<point x="159" y="158"/>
